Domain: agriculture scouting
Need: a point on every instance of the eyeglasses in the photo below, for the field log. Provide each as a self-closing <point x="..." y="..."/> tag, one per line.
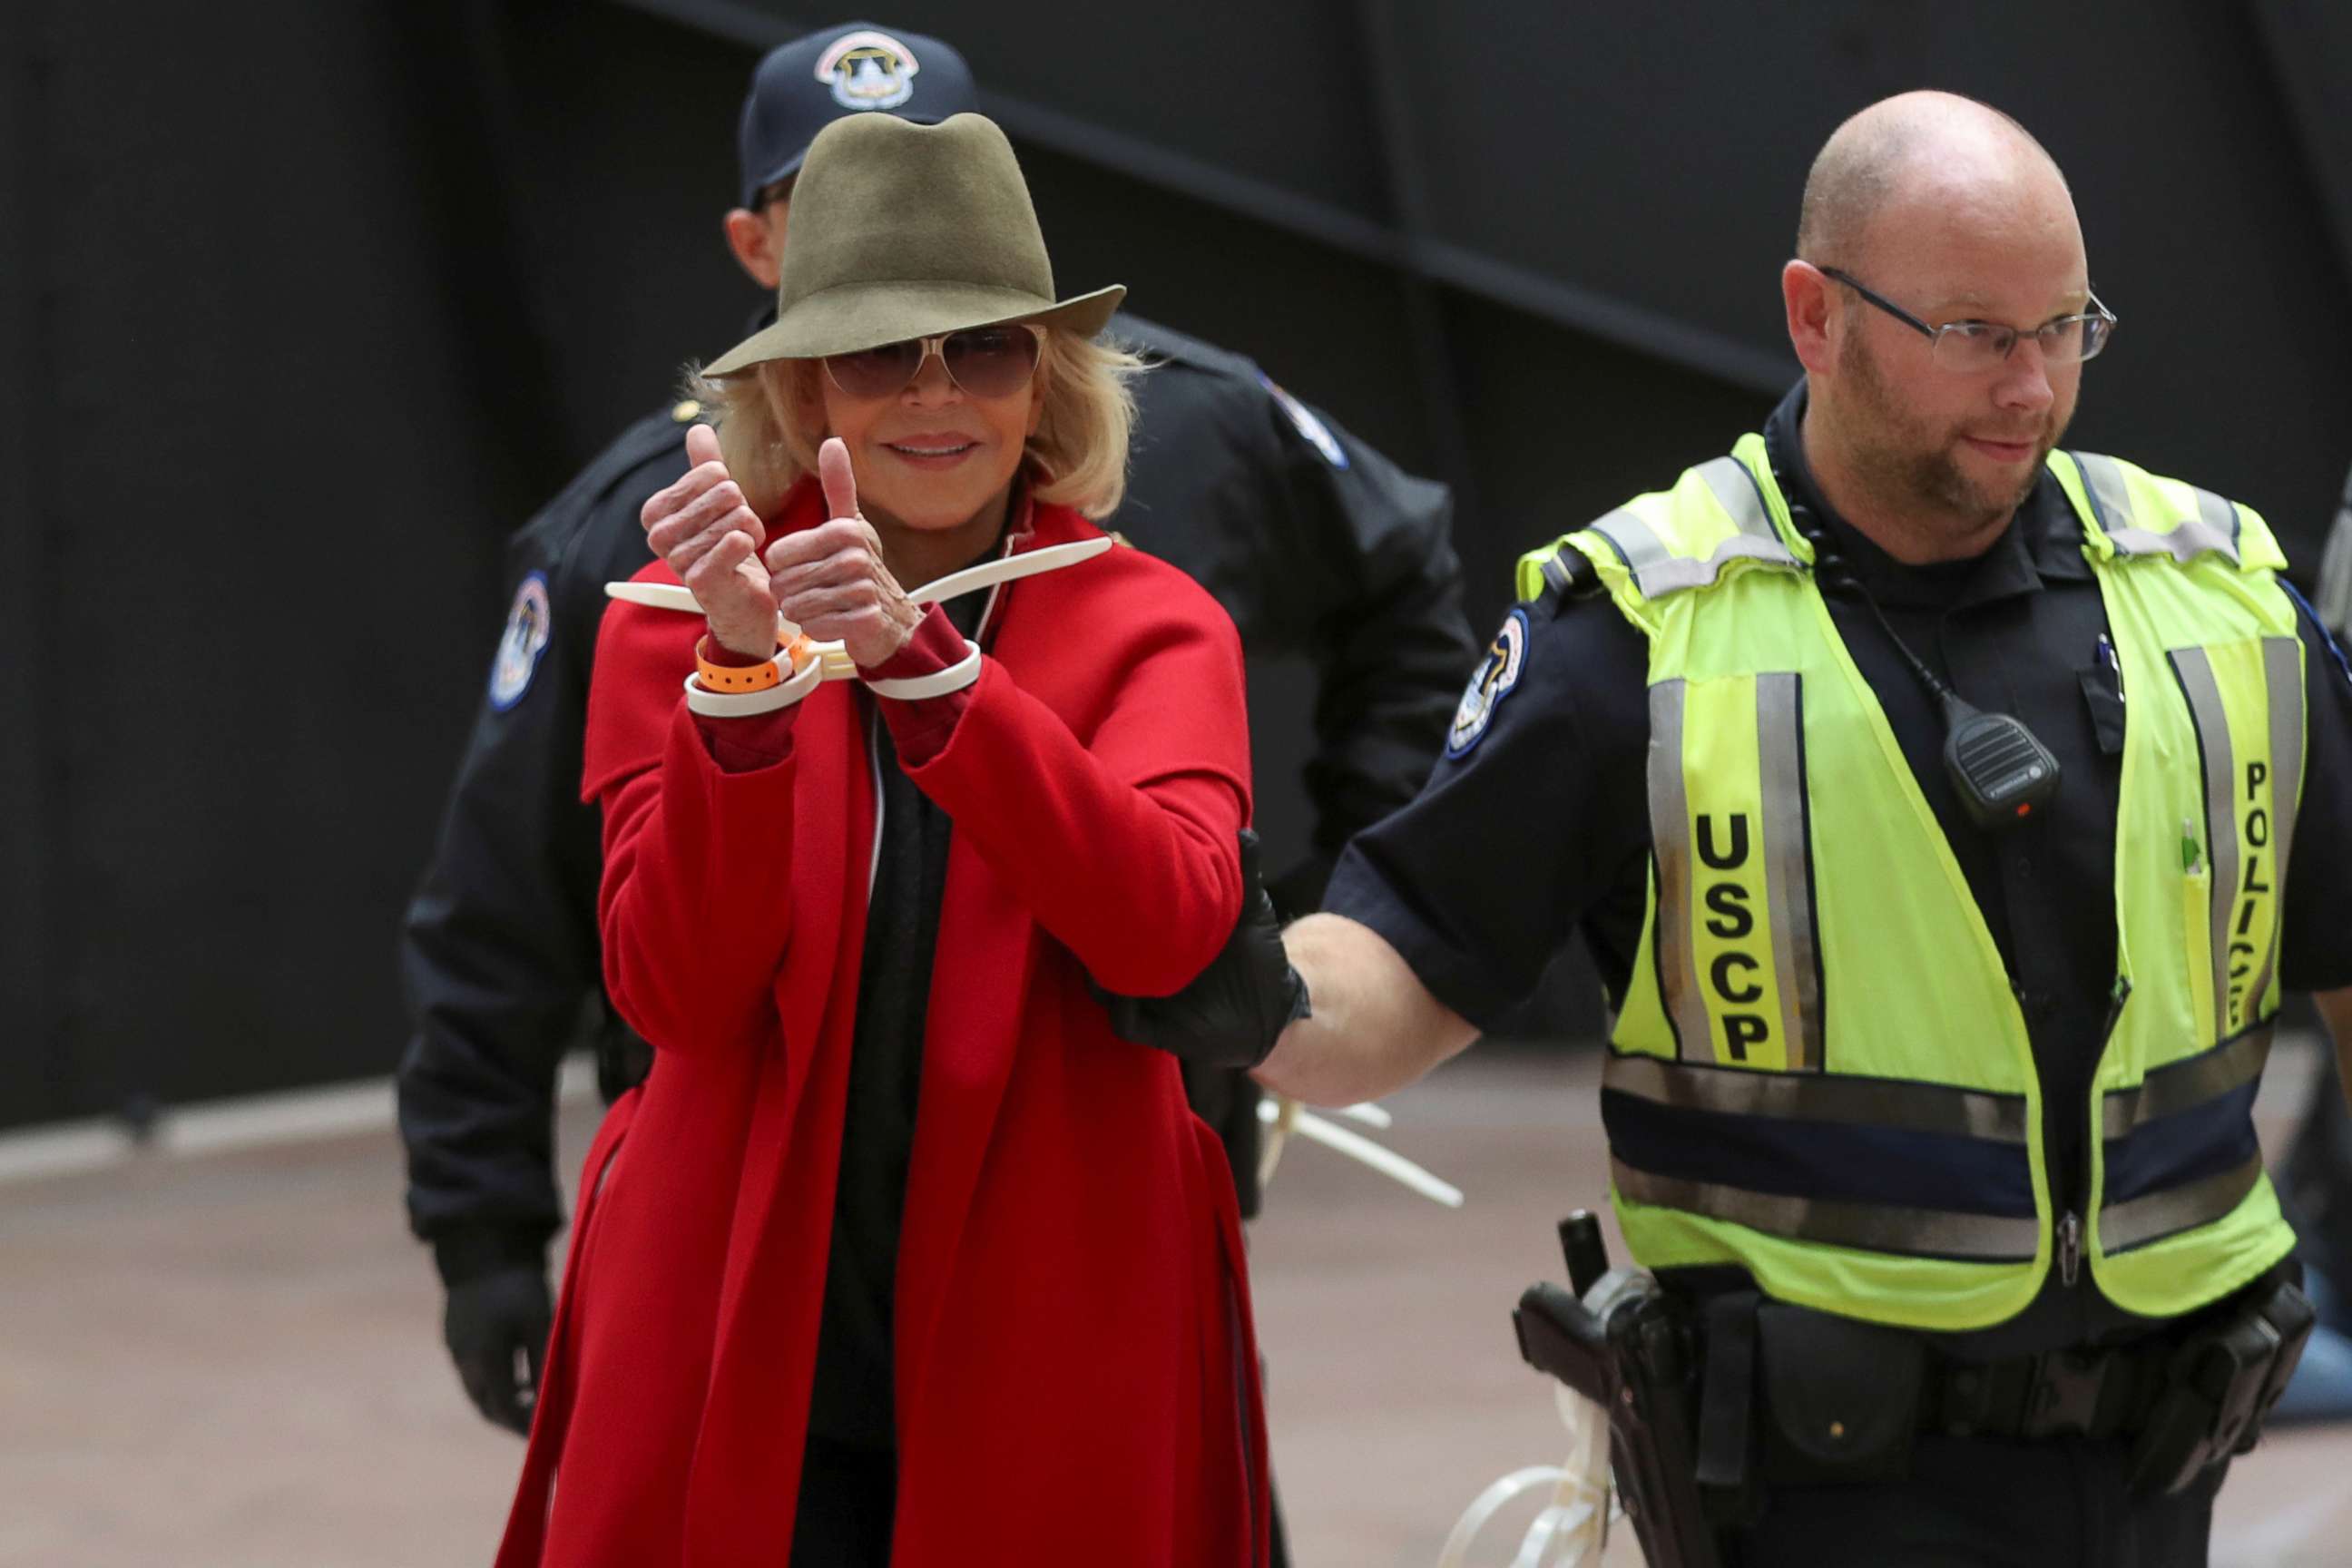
<point x="982" y="361"/>
<point x="1980" y="345"/>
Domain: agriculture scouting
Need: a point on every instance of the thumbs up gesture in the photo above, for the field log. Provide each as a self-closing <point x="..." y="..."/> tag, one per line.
<point x="831" y="579"/>
<point x="710" y="537"/>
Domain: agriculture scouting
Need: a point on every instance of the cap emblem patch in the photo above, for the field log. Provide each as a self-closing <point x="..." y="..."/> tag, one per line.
<point x="868" y="70"/>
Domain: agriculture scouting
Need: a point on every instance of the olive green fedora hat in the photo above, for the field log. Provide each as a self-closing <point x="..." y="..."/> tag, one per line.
<point x="899" y="231"/>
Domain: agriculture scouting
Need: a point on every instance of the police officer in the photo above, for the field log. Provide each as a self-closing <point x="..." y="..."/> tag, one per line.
<point x="1314" y="543"/>
<point x="2314" y="1178"/>
<point x="1947" y="812"/>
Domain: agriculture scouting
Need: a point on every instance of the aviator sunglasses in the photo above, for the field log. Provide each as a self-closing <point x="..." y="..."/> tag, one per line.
<point x="982" y="361"/>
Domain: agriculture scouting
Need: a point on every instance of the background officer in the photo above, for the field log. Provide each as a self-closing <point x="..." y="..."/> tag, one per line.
<point x="1314" y="543"/>
<point x="1935" y="1047"/>
<point x="2314" y="1177"/>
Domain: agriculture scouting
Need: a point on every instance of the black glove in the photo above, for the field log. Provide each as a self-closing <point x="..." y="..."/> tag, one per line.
<point x="489" y="1317"/>
<point x="1233" y="1011"/>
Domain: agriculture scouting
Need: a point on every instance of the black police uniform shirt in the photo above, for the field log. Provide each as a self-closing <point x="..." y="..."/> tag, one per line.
<point x="499" y="954"/>
<point x="1540" y="826"/>
<point x="2315" y="1175"/>
<point x="1315" y="544"/>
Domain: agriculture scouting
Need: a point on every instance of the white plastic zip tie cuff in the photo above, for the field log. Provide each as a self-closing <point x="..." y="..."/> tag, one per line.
<point x="1011" y="569"/>
<point x="744" y="704"/>
<point x="954" y="678"/>
<point x="1572" y="1531"/>
<point x="1283" y="1116"/>
<point x="971" y="579"/>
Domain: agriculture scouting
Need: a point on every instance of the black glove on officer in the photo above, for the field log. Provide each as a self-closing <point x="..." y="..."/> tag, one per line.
<point x="490" y="1317"/>
<point x="1235" y="1010"/>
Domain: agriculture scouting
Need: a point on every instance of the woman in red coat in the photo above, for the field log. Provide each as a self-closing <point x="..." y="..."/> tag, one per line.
<point x="901" y="1256"/>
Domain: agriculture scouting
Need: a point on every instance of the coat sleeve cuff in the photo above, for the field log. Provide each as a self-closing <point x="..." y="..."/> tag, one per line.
<point x="935" y="646"/>
<point x="748" y="744"/>
<point x="921" y="728"/>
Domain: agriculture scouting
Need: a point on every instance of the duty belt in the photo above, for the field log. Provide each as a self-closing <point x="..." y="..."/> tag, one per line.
<point x="2097" y="1394"/>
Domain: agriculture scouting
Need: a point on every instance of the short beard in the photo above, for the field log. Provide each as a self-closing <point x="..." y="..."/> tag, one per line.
<point x="1894" y="454"/>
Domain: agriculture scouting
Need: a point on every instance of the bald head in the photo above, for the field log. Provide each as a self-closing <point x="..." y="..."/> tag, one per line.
<point x="1932" y="149"/>
<point x="1939" y="214"/>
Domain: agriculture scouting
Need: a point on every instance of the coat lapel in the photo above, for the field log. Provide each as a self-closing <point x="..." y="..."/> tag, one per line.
<point x="981" y="982"/>
<point x="747" y="1464"/>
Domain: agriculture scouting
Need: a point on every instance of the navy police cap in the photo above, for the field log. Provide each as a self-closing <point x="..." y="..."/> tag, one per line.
<point x="809" y="83"/>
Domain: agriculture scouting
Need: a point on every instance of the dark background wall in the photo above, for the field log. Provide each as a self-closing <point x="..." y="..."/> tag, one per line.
<point x="303" y="306"/>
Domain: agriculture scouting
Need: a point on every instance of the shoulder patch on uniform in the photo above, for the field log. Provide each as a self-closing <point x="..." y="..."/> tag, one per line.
<point x="529" y="621"/>
<point x="2327" y="635"/>
<point x="1496" y="677"/>
<point x="1315" y="430"/>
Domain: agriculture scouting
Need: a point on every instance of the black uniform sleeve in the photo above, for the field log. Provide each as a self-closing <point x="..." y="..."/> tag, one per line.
<point x="1534" y="820"/>
<point x="2333" y="596"/>
<point x="1321" y="549"/>
<point x="2315" y="937"/>
<point x="1392" y="650"/>
<point x="498" y="952"/>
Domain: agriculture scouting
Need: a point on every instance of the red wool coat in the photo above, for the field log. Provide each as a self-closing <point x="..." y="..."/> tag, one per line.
<point x="1075" y="1373"/>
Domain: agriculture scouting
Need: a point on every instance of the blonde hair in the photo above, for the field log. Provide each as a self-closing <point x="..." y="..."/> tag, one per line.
<point x="1078" y="458"/>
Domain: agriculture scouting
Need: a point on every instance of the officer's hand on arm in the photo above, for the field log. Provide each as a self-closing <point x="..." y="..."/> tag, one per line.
<point x="1375" y="1028"/>
<point x="706" y="532"/>
<point x="497" y="1325"/>
<point x="831" y="579"/>
<point x="1231" y="1015"/>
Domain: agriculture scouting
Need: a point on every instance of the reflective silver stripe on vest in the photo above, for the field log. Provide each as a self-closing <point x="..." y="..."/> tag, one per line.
<point x="1788" y="881"/>
<point x="2182" y="1085"/>
<point x="2214" y="528"/>
<point x="1658" y="570"/>
<point x="1671" y="853"/>
<point x="1736" y="492"/>
<point x="1873" y="1228"/>
<point x="1779" y="744"/>
<point x="1819" y="1096"/>
<point x="2282" y="689"/>
<point x="2195" y="671"/>
<point x="2139" y="1221"/>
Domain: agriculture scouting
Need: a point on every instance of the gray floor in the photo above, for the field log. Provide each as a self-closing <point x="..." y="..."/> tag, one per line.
<point x="231" y="1360"/>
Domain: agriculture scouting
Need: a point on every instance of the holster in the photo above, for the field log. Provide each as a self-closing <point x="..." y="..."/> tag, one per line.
<point x="2219" y="1385"/>
<point x="1627" y="1349"/>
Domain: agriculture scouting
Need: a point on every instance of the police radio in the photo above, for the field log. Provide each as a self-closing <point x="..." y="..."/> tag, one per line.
<point x="2000" y="769"/>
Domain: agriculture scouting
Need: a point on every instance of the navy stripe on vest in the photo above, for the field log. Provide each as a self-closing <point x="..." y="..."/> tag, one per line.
<point x="2171" y="1151"/>
<point x="1845" y="1161"/>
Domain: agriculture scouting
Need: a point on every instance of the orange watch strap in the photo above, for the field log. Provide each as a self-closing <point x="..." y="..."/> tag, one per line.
<point x="757" y="676"/>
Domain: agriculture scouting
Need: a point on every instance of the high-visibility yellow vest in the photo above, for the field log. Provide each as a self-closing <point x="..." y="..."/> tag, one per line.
<point x="1820" y="1071"/>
